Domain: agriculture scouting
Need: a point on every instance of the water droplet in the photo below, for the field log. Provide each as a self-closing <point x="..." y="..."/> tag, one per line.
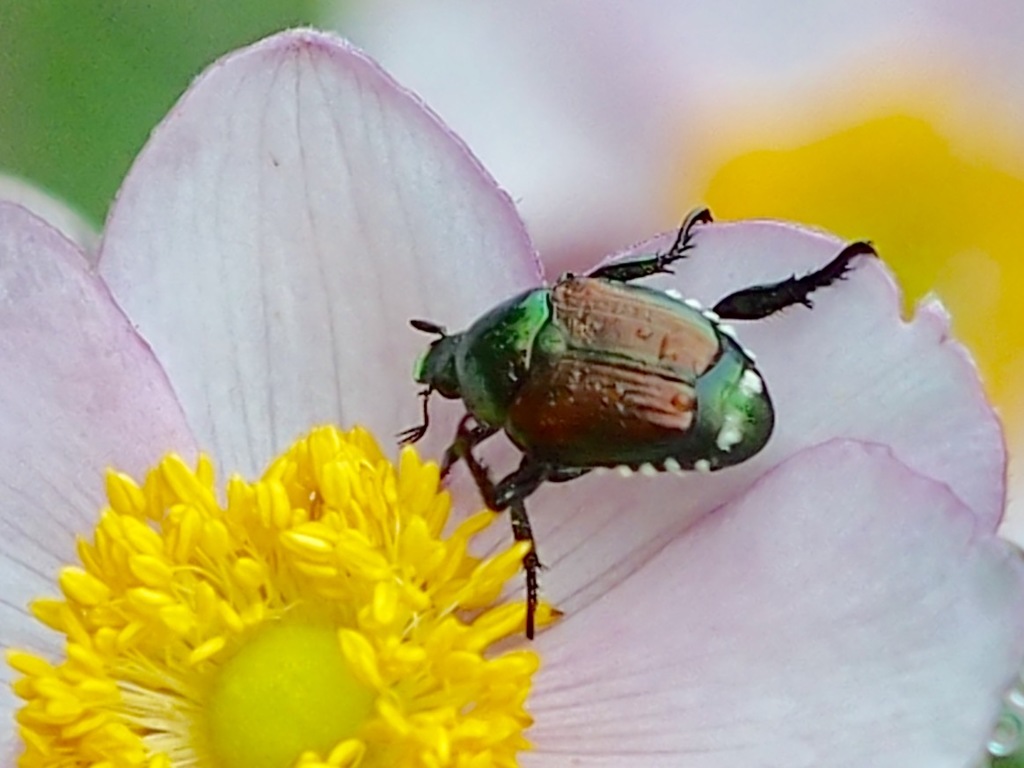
<point x="1015" y="700"/>
<point x="1006" y="736"/>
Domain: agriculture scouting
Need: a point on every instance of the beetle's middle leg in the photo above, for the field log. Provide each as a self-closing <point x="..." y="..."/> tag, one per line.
<point x="507" y="491"/>
<point x="762" y="300"/>
<point x="469" y="434"/>
<point x="624" y="271"/>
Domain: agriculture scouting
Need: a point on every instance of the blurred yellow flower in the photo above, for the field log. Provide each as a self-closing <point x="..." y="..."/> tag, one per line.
<point x="945" y="214"/>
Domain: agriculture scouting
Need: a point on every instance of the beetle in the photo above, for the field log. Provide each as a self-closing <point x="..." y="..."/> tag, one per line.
<point x="596" y="371"/>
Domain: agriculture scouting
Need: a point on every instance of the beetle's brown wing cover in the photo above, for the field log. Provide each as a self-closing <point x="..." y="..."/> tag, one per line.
<point x="618" y="381"/>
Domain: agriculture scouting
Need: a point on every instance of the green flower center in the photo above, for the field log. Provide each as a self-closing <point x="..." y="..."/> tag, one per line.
<point x="287" y="690"/>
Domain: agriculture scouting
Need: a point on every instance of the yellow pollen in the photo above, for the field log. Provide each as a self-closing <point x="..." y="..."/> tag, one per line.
<point x="319" y="617"/>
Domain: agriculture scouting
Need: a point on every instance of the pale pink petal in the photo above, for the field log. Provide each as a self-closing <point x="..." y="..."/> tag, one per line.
<point x="281" y="227"/>
<point x="609" y="111"/>
<point x="80" y="392"/>
<point x="569" y="114"/>
<point x="848" y="368"/>
<point x="851" y="367"/>
<point x="55" y="212"/>
<point x="846" y="611"/>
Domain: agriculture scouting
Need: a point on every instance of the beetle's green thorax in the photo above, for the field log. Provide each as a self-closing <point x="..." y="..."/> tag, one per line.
<point x="493" y="358"/>
<point x="436" y="367"/>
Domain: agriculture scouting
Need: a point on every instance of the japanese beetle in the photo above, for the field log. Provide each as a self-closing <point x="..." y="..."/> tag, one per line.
<point x="595" y="372"/>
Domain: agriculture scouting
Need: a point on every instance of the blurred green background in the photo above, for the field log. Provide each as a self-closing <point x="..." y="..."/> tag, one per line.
<point x="83" y="83"/>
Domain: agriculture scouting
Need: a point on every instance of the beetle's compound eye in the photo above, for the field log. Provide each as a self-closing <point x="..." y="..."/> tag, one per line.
<point x="428" y="327"/>
<point x="419" y="368"/>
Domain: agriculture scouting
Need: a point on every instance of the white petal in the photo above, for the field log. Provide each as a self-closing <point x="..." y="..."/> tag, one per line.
<point x="282" y="226"/>
<point x="848" y="368"/>
<point x="80" y="392"/>
<point x="845" y="612"/>
<point x="851" y="367"/>
<point x="53" y="211"/>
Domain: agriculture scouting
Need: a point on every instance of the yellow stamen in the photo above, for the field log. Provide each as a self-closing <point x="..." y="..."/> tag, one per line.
<point x="318" y="618"/>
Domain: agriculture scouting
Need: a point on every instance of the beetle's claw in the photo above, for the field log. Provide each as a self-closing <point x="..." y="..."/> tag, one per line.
<point x="412" y="434"/>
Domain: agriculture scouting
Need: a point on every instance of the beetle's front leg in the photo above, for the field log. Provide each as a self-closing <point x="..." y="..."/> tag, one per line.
<point x="760" y="301"/>
<point x="624" y="271"/>
<point x="469" y="434"/>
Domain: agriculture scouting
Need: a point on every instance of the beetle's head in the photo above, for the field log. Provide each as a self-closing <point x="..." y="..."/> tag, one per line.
<point x="436" y="366"/>
<point x="436" y="369"/>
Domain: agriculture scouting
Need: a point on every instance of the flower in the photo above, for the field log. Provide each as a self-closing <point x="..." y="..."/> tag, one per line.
<point x="847" y="602"/>
<point x="312" y="616"/>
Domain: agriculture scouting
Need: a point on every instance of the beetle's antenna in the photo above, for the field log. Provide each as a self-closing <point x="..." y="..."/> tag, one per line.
<point x="428" y="327"/>
<point x="414" y="434"/>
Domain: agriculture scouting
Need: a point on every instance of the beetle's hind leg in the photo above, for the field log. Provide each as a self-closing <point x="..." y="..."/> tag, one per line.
<point x="565" y="474"/>
<point x="760" y="301"/>
<point x="633" y="270"/>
